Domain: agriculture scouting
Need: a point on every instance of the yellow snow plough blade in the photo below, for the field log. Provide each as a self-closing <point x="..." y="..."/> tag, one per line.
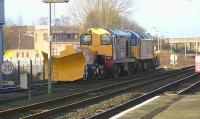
<point x="66" y="68"/>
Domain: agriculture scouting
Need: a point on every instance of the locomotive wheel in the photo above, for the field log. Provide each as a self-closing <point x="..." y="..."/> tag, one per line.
<point x="152" y="65"/>
<point x="149" y="66"/>
<point x="142" y="66"/>
<point x="136" y="67"/>
<point x="100" y="72"/>
<point x="139" y="67"/>
<point x="131" y="69"/>
<point x="116" y="71"/>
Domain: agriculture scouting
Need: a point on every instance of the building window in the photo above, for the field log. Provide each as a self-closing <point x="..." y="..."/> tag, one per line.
<point x="73" y="36"/>
<point x="69" y="36"/>
<point x="76" y="36"/>
<point x="22" y="54"/>
<point x="17" y="55"/>
<point x="37" y="55"/>
<point x="27" y="54"/>
<point x="106" y="39"/>
<point x="45" y="36"/>
<point x="64" y="36"/>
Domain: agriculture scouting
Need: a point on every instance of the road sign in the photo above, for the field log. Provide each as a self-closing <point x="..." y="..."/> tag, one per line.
<point x="55" y="1"/>
<point x="197" y="63"/>
<point x="7" y="68"/>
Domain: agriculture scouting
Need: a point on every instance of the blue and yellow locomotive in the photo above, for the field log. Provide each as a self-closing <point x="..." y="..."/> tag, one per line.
<point x="118" y="51"/>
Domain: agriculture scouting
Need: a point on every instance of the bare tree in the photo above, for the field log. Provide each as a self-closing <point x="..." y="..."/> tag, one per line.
<point x="43" y="21"/>
<point x="65" y="21"/>
<point x="103" y="13"/>
<point x="8" y="32"/>
<point x="9" y="22"/>
<point x="131" y="25"/>
<point x="62" y="21"/>
<point x="20" y="21"/>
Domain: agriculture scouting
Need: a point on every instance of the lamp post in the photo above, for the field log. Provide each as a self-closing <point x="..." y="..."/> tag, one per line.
<point x="196" y="46"/>
<point x="158" y="41"/>
<point x="158" y="37"/>
<point x="50" y="39"/>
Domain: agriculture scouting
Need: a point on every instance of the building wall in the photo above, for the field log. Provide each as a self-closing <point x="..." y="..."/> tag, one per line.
<point x="41" y="44"/>
<point x="41" y="40"/>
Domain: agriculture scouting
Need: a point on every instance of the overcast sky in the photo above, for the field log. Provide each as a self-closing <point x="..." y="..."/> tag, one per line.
<point x="169" y="17"/>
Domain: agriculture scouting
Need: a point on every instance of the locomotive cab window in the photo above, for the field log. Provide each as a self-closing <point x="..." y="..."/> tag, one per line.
<point x="86" y="39"/>
<point x="134" y="41"/>
<point x="106" y="39"/>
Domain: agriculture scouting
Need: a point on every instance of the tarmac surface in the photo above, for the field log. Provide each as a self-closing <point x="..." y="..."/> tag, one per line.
<point x="165" y="107"/>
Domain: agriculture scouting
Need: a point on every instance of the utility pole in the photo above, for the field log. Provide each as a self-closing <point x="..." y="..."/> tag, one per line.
<point x="49" y="56"/>
<point x="185" y="50"/>
<point x="196" y="44"/>
<point x="158" y="42"/>
<point x="50" y="40"/>
<point x="2" y="22"/>
<point x="185" y="42"/>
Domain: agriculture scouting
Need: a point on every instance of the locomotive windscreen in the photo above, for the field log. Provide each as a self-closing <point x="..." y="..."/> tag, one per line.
<point x="106" y="39"/>
<point x="86" y="39"/>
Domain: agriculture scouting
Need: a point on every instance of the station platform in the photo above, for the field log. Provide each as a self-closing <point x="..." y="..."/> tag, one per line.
<point x="165" y="107"/>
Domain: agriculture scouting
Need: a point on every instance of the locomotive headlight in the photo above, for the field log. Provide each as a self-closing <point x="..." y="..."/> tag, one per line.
<point x="108" y="57"/>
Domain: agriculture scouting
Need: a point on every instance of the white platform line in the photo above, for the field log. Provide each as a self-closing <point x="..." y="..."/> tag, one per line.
<point x="133" y="108"/>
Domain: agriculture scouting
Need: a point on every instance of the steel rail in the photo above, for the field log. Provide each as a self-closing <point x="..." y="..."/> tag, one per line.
<point x="113" y="111"/>
<point x="135" y="76"/>
<point x="18" y="89"/>
<point x="40" y="104"/>
<point x="85" y="102"/>
<point x="60" y="99"/>
<point x="189" y="88"/>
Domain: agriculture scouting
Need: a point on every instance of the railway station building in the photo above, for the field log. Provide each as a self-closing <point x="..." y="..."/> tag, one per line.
<point x="189" y="45"/>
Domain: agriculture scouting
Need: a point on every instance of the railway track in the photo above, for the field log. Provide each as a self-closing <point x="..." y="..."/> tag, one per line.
<point x="186" y="87"/>
<point x="17" y="88"/>
<point x="88" y="97"/>
<point x="41" y="89"/>
<point x="34" y="86"/>
<point x="171" y="86"/>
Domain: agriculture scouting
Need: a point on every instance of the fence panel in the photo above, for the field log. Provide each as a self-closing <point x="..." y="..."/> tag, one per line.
<point x="24" y="66"/>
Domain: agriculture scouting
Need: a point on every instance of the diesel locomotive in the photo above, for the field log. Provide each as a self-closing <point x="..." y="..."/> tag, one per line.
<point x="106" y="52"/>
<point x="118" y="52"/>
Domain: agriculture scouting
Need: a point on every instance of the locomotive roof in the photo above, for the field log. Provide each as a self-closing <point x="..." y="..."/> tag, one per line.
<point x="98" y="31"/>
<point x="144" y="35"/>
<point x="133" y="33"/>
<point x="119" y="32"/>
